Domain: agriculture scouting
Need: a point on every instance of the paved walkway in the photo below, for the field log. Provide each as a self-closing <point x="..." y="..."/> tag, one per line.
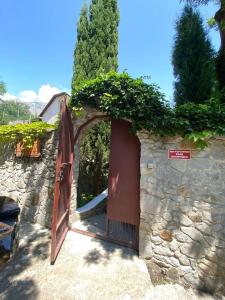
<point x="85" y="269"/>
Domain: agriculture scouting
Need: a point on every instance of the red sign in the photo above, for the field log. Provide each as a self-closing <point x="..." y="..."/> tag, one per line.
<point x="179" y="154"/>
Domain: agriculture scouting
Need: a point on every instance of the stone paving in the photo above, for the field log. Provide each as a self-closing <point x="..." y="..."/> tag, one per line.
<point x="86" y="269"/>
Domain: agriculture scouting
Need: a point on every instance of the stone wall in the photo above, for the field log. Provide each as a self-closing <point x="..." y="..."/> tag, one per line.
<point x="30" y="181"/>
<point x="182" y="227"/>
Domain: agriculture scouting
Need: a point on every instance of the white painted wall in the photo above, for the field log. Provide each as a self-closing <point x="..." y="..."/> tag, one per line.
<point x="51" y="114"/>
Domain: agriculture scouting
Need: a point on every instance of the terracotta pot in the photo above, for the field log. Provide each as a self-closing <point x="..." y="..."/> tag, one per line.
<point x="23" y="151"/>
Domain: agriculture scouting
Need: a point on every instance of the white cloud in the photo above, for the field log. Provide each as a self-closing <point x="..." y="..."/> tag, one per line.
<point x="28" y="96"/>
<point x="44" y="94"/>
<point x="8" y="96"/>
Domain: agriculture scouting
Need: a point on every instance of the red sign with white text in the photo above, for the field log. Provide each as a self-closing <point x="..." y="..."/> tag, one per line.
<point x="179" y="154"/>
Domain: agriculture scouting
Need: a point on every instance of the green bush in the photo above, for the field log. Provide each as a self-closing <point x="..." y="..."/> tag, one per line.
<point x="123" y="97"/>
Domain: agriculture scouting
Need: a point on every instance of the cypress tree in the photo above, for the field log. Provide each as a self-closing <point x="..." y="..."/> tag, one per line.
<point x="81" y="52"/>
<point x="104" y="21"/>
<point x="193" y="59"/>
<point x="96" y="52"/>
<point x="219" y="19"/>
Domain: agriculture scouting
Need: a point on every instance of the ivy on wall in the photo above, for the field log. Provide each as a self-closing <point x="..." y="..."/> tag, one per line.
<point x="121" y="96"/>
<point x="24" y="132"/>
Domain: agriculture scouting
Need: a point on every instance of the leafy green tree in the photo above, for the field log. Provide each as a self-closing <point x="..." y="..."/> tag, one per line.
<point x="13" y="111"/>
<point x="193" y="59"/>
<point x="81" y="53"/>
<point x="219" y="20"/>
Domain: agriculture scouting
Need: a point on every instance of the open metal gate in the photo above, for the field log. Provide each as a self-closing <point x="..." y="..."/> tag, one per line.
<point x="123" y="205"/>
<point x="63" y="181"/>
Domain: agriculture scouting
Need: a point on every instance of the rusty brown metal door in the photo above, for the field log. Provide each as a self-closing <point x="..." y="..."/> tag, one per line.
<point x="123" y="208"/>
<point x="63" y="181"/>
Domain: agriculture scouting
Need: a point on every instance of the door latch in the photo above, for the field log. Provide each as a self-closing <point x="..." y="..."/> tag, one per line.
<point x="60" y="176"/>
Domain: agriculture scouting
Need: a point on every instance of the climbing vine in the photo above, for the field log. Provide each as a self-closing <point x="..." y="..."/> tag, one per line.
<point x="121" y="96"/>
<point x="26" y="133"/>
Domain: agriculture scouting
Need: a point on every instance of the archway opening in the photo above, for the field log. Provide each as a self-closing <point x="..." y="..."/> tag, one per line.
<point x="93" y="162"/>
<point x="114" y="210"/>
<point x="9" y="214"/>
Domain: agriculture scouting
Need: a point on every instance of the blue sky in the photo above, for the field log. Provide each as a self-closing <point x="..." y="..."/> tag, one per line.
<point x="38" y="39"/>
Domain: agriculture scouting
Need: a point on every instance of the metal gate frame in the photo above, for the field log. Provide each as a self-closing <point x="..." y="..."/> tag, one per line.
<point x="63" y="181"/>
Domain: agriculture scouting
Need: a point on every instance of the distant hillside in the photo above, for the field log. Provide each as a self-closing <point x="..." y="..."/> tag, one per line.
<point x="36" y="107"/>
<point x="16" y="111"/>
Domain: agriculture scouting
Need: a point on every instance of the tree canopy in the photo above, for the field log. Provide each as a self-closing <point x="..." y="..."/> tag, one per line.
<point x="81" y="53"/>
<point x="219" y="19"/>
<point x="12" y="111"/>
<point x="193" y="59"/>
<point x="2" y="88"/>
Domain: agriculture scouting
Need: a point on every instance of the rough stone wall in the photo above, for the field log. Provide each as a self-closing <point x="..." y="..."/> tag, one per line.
<point x="30" y="181"/>
<point x="182" y="227"/>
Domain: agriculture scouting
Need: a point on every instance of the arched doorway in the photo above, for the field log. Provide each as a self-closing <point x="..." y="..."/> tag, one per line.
<point x="120" y="222"/>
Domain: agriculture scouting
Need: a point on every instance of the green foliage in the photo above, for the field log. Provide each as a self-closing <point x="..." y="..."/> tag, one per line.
<point x="81" y="52"/>
<point x="122" y="97"/>
<point x="94" y="160"/>
<point x="96" y="48"/>
<point x="104" y="21"/>
<point x="219" y="18"/>
<point x="211" y="22"/>
<point x="12" y="111"/>
<point x="193" y="60"/>
<point x="2" y="88"/>
<point x="84" y="199"/>
<point x="26" y="133"/>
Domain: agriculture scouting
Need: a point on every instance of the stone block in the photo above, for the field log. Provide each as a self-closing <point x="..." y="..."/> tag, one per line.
<point x="195" y="217"/>
<point x="166" y="235"/>
<point x="195" y="235"/>
<point x="165" y="251"/>
<point x="193" y="250"/>
<point x="145" y="249"/>
<point x="174" y="245"/>
<point x="156" y="240"/>
<point x="183" y="238"/>
<point x="192" y="279"/>
<point x="184" y="261"/>
<point x="172" y="261"/>
<point x="185" y="221"/>
<point x="173" y="275"/>
<point x="204" y="228"/>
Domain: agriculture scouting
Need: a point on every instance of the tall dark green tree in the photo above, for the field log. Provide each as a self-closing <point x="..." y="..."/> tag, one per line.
<point x="193" y="59"/>
<point x="219" y="20"/>
<point x="96" y="52"/>
<point x="81" y="52"/>
<point x="104" y="21"/>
